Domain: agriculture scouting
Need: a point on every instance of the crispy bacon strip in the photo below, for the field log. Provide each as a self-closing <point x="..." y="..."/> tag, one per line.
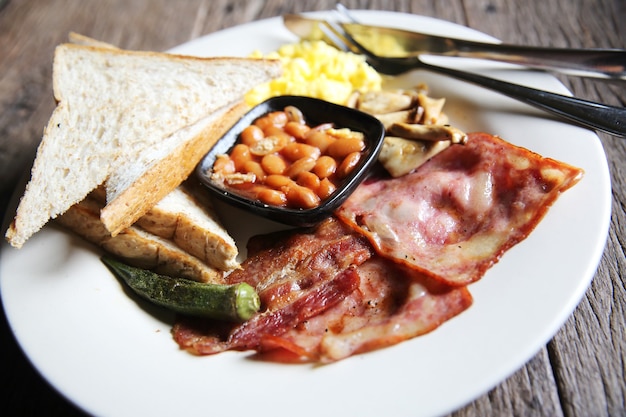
<point x="205" y="337"/>
<point x="392" y="304"/>
<point x="283" y="265"/>
<point x="297" y="276"/>
<point x="455" y="216"/>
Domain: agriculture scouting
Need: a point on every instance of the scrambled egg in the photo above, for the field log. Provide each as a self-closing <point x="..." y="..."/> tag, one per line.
<point x="316" y="69"/>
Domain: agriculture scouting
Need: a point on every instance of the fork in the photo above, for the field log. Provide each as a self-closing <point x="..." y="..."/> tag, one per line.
<point x="602" y="117"/>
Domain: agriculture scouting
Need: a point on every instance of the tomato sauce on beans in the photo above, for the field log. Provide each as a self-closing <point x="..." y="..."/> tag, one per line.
<point x="282" y="161"/>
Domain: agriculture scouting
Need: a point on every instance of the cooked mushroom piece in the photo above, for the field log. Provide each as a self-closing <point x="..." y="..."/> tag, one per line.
<point x="400" y="156"/>
<point x="428" y="132"/>
<point x="403" y="116"/>
<point x="433" y="108"/>
<point x="381" y="102"/>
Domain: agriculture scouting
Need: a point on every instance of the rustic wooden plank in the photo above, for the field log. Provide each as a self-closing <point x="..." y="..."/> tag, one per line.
<point x="529" y="392"/>
<point x="586" y="352"/>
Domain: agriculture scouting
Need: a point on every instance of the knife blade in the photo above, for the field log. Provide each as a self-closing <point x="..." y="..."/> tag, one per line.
<point x="392" y="42"/>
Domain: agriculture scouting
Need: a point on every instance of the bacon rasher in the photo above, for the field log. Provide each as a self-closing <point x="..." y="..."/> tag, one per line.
<point x="392" y="304"/>
<point x="456" y="215"/>
<point x="298" y="275"/>
<point x="325" y="299"/>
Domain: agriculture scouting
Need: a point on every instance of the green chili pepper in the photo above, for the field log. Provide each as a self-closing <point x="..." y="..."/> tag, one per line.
<point x="237" y="302"/>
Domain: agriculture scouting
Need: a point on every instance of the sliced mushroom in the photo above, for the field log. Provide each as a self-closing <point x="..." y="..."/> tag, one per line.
<point x="433" y="108"/>
<point x="442" y="119"/>
<point x="428" y="132"/>
<point x="381" y="102"/>
<point x="400" y="156"/>
<point x="403" y="116"/>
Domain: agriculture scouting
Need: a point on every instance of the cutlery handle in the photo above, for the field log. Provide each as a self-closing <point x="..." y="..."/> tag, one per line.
<point x="602" y="117"/>
<point x="602" y="63"/>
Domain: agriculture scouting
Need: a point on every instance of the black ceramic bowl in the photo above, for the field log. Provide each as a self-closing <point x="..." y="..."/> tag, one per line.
<point x="315" y="112"/>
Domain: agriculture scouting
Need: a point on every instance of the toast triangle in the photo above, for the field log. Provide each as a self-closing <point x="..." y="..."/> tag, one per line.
<point x="115" y="105"/>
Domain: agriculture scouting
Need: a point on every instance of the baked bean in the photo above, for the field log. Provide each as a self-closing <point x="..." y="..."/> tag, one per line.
<point x="325" y="189"/>
<point x="301" y="165"/>
<point x="297" y="130"/>
<point x="302" y="197"/>
<point x="273" y="164"/>
<point x="253" y="167"/>
<point x="251" y="135"/>
<point x="275" y="118"/>
<point x="277" y="182"/>
<point x="295" y="151"/>
<point x="348" y="164"/>
<point x="280" y="132"/>
<point x="325" y="166"/>
<point x="272" y="197"/>
<point x="341" y="148"/>
<point x="240" y="155"/>
<point x="224" y="165"/>
<point x="309" y="180"/>
<point x="319" y="139"/>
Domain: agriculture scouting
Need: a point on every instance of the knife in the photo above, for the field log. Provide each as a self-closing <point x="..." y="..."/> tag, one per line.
<point x="391" y="42"/>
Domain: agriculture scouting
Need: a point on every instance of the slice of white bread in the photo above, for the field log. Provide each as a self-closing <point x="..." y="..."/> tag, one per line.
<point x="136" y="246"/>
<point x="186" y="217"/>
<point x="139" y="121"/>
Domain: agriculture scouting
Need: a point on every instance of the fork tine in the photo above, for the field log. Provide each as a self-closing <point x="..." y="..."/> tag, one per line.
<point x="345" y="12"/>
<point x="335" y="37"/>
<point x="336" y="32"/>
<point x="346" y="40"/>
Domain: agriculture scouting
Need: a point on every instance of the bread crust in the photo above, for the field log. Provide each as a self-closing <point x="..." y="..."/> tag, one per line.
<point x="187" y="218"/>
<point x="165" y="175"/>
<point x="136" y="246"/>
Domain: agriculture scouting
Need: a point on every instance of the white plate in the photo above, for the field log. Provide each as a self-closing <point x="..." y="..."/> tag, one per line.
<point x="112" y="356"/>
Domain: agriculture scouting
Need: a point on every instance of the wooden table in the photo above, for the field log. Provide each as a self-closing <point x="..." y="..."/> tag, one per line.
<point x="580" y="372"/>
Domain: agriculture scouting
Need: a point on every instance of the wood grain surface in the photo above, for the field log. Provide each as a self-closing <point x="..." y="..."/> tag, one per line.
<point x="580" y="372"/>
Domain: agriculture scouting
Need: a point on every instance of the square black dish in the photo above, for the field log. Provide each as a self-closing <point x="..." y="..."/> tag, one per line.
<point x="316" y="112"/>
